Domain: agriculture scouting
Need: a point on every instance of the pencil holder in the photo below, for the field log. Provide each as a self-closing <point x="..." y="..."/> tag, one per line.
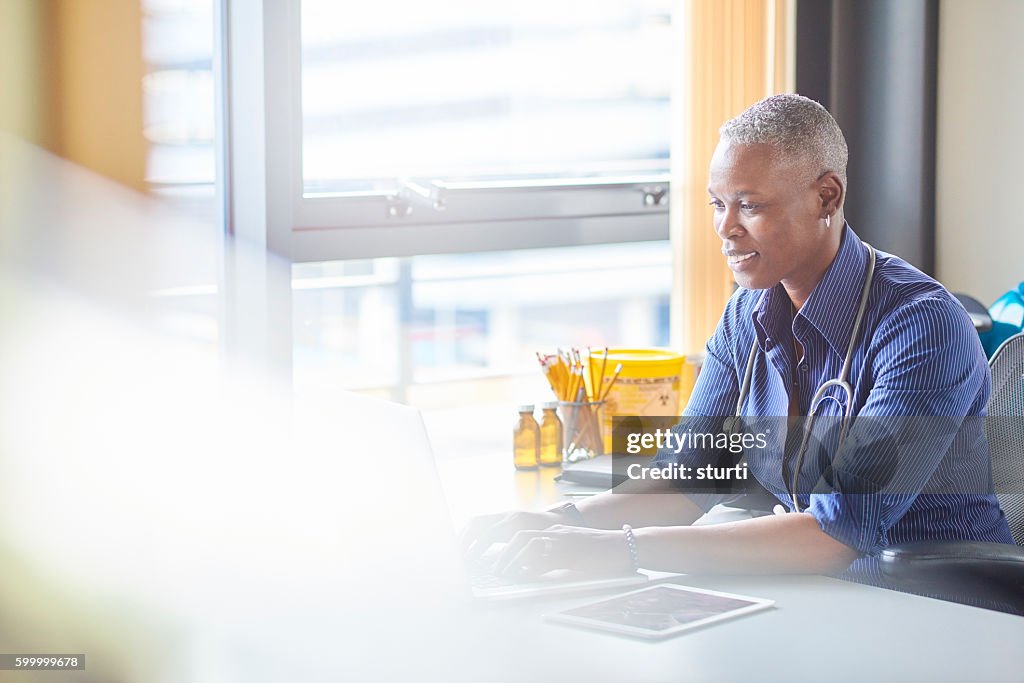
<point x="582" y="423"/>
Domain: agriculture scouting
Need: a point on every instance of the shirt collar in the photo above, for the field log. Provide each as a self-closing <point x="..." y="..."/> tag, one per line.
<point x="833" y="303"/>
<point x="830" y="308"/>
<point x="771" y="317"/>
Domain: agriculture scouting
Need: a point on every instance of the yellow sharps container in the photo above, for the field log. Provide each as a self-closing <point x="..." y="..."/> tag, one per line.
<point x="652" y="382"/>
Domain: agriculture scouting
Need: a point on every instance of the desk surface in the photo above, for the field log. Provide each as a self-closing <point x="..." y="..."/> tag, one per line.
<point x="820" y="627"/>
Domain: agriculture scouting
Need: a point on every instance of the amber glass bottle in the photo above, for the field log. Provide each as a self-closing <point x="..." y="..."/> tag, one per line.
<point x="526" y="440"/>
<point x="550" y="436"/>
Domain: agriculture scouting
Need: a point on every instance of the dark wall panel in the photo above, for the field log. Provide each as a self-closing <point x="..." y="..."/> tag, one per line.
<point x="814" y="49"/>
<point x="881" y="87"/>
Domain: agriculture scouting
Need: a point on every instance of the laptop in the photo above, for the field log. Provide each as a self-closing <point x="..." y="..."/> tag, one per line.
<point x="417" y="514"/>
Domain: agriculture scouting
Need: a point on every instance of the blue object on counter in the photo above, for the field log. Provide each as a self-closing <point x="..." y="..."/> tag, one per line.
<point x="1007" y="319"/>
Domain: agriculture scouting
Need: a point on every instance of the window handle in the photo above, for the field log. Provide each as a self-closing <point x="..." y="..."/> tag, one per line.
<point x="654" y="195"/>
<point x="414" y="193"/>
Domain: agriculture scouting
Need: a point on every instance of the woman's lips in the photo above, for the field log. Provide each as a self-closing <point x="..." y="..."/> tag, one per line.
<point x="739" y="261"/>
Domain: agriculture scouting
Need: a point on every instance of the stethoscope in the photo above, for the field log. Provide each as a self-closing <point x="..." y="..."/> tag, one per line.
<point x="842" y="382"/>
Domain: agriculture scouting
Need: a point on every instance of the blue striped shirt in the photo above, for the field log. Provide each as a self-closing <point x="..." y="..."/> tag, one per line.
<point x="915" y="462"/>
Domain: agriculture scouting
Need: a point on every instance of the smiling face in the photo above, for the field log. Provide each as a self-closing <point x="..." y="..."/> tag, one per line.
<point x="770" y="215"/>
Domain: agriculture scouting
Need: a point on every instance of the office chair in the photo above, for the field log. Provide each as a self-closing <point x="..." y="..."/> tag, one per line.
<point x="983" y="574"/>
<point x="976" y="310"/>
<point x="998" y="322"/>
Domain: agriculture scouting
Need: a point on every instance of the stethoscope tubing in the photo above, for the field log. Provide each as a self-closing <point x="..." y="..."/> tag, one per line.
<point x="842" y="382"/>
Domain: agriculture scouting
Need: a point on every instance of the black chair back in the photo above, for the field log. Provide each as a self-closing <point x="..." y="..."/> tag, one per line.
<point x="1005" y="431"/>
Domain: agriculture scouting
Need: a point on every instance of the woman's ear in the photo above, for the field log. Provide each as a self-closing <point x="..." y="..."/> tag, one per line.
<point x="830" y="191"/>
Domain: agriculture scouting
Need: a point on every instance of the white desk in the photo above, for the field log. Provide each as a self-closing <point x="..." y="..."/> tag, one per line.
<point x="822" y="628"/>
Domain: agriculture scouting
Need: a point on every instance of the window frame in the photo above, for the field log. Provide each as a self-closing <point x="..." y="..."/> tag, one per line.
<point x="264" y="178"/>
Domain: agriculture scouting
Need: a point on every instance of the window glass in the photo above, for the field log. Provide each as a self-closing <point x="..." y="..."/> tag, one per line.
<point x="178" y="92"/>
<point x="390" y="324"/>
<point x="483" y="90"/>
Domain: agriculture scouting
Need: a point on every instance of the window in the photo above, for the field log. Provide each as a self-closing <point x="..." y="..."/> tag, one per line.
<point x="408" y="128"/>
<point x="178" y="93"/>
<point x="422" y="329"/>
<point x="179" y="127"/>
<point x="482" y="91"/>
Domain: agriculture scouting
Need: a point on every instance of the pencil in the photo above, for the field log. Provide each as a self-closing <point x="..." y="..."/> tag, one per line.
<point x="590" y="373"/>
<point x="615" y="376"/>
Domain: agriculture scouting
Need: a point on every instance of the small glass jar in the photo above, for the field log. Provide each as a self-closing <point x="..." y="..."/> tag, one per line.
<point x="550" y="436"/>
<point x="526" y="440"/>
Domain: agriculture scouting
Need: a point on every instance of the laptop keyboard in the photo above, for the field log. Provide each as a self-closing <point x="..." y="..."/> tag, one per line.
<point x="482" y="574"/>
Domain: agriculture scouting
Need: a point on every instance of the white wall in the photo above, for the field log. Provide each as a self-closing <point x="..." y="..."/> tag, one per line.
<point x="980" y="155"/>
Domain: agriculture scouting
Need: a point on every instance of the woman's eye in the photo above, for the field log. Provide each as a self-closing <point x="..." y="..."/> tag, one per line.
<point x="748" y="207"/>
<point x="717" y="204"/>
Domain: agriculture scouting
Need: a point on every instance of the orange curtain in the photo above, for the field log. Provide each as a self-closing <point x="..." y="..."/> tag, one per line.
<point x="737" y="52"/>
<point x="71" y="81"/>
<point x="99" y="72"/>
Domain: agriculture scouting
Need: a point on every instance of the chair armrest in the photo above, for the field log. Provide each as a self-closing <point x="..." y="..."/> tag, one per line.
<point x="965" y="562"/>
<point x="988" y="575"/>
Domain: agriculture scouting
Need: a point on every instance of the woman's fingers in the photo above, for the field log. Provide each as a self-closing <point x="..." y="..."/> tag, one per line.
<point x="596" y="552"/>
<point x="483" y="532"/>
<point x="476" y="536"/>
<point x="528" y="557"/>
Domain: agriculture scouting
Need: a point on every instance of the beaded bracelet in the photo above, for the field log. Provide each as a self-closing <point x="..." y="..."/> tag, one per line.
<point x="634" y="555"/>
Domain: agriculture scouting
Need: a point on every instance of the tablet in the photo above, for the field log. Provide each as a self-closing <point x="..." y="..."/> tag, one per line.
<point x="661" y="611"/>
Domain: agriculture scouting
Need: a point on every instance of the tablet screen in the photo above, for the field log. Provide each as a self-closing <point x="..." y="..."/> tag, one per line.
<point x="661" y="610"/>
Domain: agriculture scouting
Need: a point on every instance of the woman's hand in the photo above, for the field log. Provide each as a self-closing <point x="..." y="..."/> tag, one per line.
<point x="596" y="552"/>
<point x="486" y="530"/>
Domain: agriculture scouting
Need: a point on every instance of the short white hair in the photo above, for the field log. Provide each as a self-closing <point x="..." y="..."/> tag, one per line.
<point x="798" y="127"/>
